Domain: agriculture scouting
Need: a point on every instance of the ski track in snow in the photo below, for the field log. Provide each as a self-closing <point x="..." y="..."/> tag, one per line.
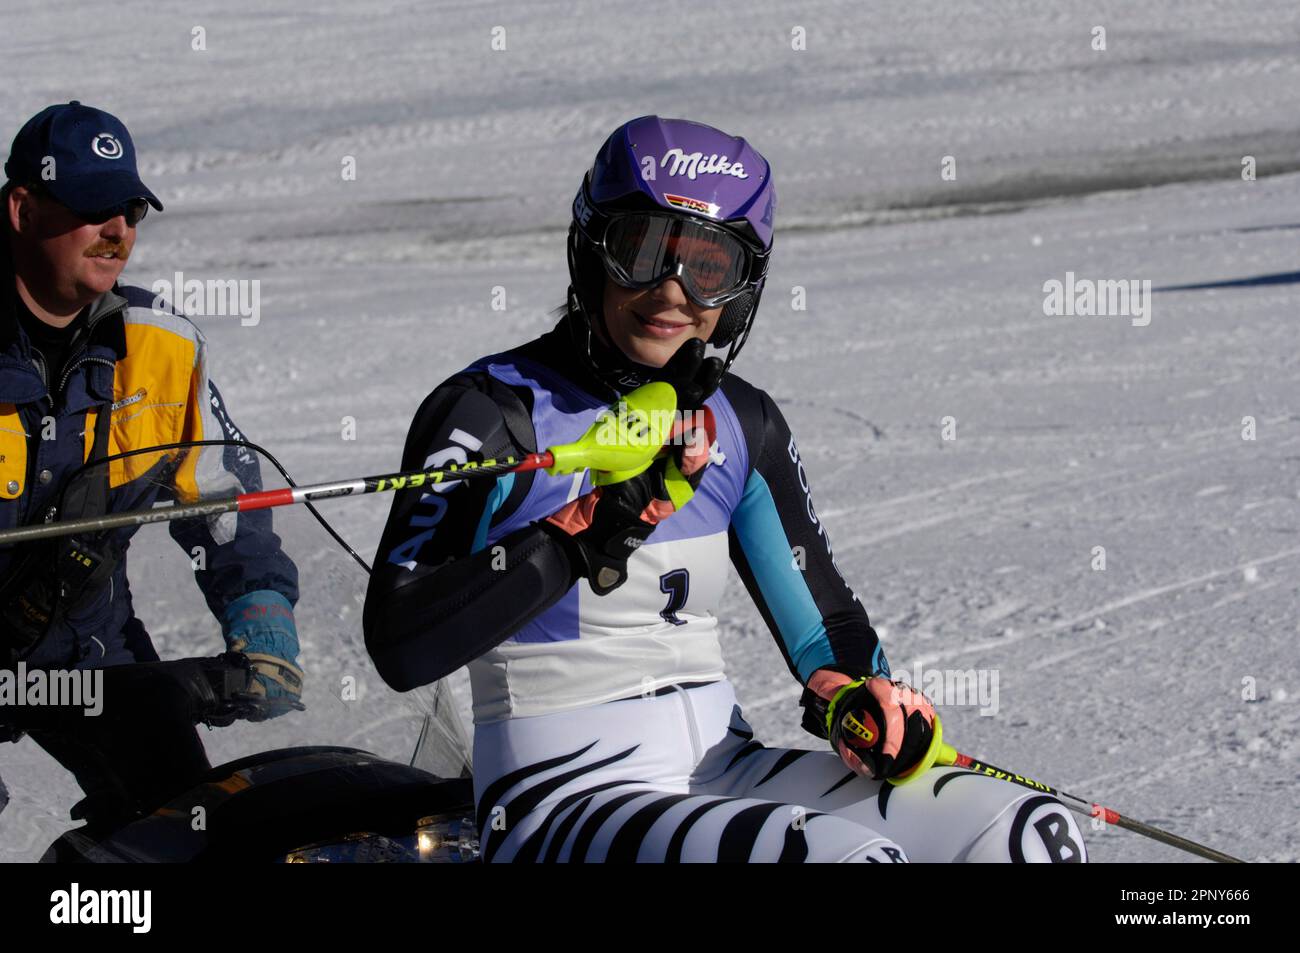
<point x="1098" y="611"/>
<point x="1127" y="686"/>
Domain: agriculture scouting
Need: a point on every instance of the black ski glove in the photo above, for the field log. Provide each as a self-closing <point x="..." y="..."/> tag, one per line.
<point x="879" y="728"/>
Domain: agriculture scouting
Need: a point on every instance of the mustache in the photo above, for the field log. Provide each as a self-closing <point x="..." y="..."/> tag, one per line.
<point x="117" y="249"/>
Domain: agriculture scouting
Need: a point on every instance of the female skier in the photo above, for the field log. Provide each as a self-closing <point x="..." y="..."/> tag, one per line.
<point x="605" y="727"/>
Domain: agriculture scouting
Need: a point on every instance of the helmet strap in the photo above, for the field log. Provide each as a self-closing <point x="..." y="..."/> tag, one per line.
<point x="607" y="364"/>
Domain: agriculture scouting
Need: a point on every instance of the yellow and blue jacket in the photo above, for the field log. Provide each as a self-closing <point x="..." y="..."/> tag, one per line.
<point x="146" y="367"/>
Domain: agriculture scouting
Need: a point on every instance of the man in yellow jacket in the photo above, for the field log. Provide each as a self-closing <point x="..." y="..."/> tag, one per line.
<point x="90" y="368"/>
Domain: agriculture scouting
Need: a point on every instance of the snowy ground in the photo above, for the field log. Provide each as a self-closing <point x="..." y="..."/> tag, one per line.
<point x="924" y="301"/>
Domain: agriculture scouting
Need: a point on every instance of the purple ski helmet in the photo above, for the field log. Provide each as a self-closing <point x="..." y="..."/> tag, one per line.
<point x="696" y="180"/>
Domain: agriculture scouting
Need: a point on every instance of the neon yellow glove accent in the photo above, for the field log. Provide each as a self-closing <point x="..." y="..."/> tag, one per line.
<point x="937" y="753"/>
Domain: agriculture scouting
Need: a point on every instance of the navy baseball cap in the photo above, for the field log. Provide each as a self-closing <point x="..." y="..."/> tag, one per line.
<point x="93" y="158"/>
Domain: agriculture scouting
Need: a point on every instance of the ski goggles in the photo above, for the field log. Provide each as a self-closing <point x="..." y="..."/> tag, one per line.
<point x="714" y="265"/>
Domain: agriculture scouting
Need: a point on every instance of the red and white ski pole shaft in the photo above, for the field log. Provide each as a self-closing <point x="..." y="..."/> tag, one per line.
<point x="265" y="499"/>
<point x="941" y="752"/>
<point x="618" y="445"/>
<point x="1087" y="808"/>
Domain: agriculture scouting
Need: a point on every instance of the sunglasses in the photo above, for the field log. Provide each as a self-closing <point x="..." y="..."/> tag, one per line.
<point x="133" y="210"/>
<point x="641" y="249"/>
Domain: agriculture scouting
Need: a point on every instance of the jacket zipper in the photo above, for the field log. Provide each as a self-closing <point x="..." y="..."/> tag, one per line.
<point x="43" y="370"/>
<point x="73" y="363"/>
<point x="62" y="383"/>
<point x="67" y="373"/>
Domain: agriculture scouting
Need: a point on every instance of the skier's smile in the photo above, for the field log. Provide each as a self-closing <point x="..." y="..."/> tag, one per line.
<point x="661" y="326"/>
<point x="649" y="325"/>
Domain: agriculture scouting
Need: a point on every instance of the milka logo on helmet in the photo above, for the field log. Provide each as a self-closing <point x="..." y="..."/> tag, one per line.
<point x="693" y="205"/>
<point x="106" y="146"/>
<point x="696" y="163"/>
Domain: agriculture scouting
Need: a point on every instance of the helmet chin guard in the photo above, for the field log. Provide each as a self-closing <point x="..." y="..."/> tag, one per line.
<point x="607" y="363"/>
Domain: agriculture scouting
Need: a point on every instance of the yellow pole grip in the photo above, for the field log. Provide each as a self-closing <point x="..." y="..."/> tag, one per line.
<point x="938" y="753"/>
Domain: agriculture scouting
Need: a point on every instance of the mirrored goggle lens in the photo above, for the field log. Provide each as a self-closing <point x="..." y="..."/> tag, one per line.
<point x="647" y="248"/>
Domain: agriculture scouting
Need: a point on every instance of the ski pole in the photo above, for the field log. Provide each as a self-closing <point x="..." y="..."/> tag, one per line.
<point x="1091" y="809"/>
<point x="943" y="753"/>
<point x="618" y="446"/>
<point x="265" y="499"/>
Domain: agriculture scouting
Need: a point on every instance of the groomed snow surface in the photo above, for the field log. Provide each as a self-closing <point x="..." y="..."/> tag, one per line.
<point x="1163" y="686"/>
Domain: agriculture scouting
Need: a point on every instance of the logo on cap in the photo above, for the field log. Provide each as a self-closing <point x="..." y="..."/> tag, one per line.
<point x="106" y="146"/>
